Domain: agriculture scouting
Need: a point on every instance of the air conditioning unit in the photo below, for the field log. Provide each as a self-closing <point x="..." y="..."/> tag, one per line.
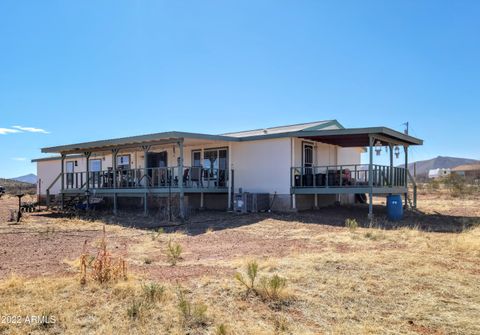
<point x="251" y="202"/>
<point x="240" y="202"/>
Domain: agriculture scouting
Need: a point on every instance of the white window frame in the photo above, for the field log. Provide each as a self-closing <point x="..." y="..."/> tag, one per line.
<point x="91" y="161"/>
<point x="120" y="159"/>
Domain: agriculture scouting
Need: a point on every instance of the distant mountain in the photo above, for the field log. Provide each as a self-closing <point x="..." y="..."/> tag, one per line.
<point x="13" y="186"/>
<point x="29" y="178"/>
<point x="439" y="162"/>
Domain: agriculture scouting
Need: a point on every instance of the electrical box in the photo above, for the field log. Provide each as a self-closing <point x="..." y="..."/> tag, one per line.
<point x="251" y="202"/>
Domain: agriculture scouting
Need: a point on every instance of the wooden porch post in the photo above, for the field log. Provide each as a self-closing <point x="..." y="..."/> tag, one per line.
<point x="145" y="148"/>
<point x="390" y="179"/>
<point x="370" y="178"/>
<point x="229" y="174"/>
<point x="292" y="164"/>
<point x="202" y="150"/>
<point x="180" y="181"/>
<point x="405" y="149"/>
<point x="87" y="189"/>
<point x="114" y="168"/>
<point x="62" y="178"/>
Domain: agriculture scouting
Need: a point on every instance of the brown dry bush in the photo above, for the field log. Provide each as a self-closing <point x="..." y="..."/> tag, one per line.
<point x="103" y="267"/>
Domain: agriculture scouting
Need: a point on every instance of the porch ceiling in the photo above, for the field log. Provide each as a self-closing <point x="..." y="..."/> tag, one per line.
<point x="360" y="137"/>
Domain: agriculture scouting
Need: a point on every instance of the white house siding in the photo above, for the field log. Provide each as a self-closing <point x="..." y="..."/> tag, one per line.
<point x="47" y="171"/>
<point x="261" y="166"/>
<point x="349" y="156"/>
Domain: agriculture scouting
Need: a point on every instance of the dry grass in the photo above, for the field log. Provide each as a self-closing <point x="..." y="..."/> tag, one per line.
<point x="337" y="281"/>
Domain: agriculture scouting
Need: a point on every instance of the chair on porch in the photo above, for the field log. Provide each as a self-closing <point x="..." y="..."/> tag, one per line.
<point x="196" y="176"/>
<point x="186" y="176"/>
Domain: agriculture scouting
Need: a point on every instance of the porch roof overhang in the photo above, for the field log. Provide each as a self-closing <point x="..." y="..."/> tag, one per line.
<point x="352" y="137"/>
<point x="138" y="141"/>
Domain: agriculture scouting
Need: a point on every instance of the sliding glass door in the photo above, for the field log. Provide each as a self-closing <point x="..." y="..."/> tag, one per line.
<point x="215" y="164"/>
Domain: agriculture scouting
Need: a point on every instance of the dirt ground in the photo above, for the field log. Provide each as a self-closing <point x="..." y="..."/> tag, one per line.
<point x="44" y="243"/>
<point x="216" y="245"/>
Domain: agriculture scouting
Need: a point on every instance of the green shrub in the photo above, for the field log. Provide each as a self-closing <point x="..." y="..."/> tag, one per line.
<point x="252" y="271"/>
<point x="156" y="234"/>
<point x="133" y="311"/>
<point x="174" y="252"/>
<point x="351" y="224"/>
<point x="272" y="287"/>
<point x="221" y="330"/>
<point x="153" y="292"/>
<point x="192" y="315"/>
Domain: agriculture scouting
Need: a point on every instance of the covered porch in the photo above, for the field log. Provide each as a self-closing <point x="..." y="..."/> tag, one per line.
<point x="145" y="166"/>
<point x="358" y="179"/>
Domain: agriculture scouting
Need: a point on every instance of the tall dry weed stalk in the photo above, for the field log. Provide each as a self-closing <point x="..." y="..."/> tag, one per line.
<point x="103" y="267"/>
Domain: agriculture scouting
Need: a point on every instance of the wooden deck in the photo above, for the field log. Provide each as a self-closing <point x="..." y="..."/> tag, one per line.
<point x="342" y="179"/>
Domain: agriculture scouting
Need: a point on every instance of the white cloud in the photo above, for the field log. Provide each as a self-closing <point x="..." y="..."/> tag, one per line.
<point x="20" y="159"/>
<point x="5" y="131"/>
<point x="31" y="129"/>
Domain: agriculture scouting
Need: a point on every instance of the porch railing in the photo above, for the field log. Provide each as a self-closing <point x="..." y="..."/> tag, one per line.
<point x="160" y="177"/>
<point x="355" y="175"/>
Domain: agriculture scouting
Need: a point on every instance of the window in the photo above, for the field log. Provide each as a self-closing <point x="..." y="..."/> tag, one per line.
<point x="196" y="158"/>
<point x="123" y="161"/>
<point x="95" y="165"/>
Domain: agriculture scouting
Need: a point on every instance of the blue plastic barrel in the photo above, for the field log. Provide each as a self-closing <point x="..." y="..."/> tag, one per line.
<point x="394" y="207"/>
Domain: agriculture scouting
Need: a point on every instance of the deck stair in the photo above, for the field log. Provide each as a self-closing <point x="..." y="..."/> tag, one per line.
<point x="412" y="192"/>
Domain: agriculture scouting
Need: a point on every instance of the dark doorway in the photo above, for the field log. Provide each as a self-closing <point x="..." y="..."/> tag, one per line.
<point x="157" y="159"/>
<point x="157" y="163"/>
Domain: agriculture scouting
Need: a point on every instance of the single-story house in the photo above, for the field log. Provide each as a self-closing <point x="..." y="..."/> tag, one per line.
<point x="469" y="171"/>
<point x="300" y="166"/>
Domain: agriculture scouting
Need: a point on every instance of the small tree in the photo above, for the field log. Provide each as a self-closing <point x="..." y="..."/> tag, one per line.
<point x="252" y="271"/>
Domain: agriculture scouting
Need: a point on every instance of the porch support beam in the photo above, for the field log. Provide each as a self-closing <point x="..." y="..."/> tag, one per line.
<point x="229" y="175"/>
<point x="87" y="185"/>
<point x="390" y="173"/>
<point x="370" y="177"/>
<point x="405" y="149"/>
<point x="292" y="164"/>
<point x="202" y="152"/>
<point x="62" y="178"/>
<point x="180" y="181"/>
<point x="146" y="149"/>
<point x="114" y="168"/>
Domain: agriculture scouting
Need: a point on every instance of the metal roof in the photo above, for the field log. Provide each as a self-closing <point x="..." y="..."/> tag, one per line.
<point x="317" y="125"/>
<point x="317" y="131"/>
<point x="349" y="137"/>
<point x="53" y="158"/>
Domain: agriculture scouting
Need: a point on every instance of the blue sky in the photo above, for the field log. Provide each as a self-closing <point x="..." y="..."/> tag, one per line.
<point x="90" y="70"/>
